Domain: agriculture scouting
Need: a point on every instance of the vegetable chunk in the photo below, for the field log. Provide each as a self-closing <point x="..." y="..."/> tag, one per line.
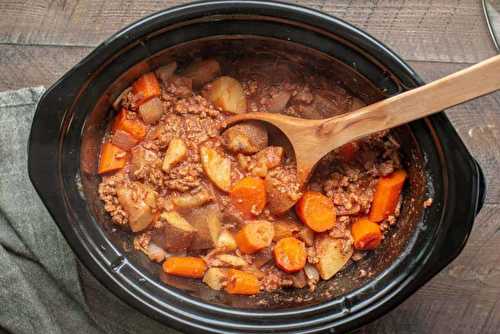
<point x="176" y="152"/>
<point x="178" y="233"/>
<point x="207" y="223"/>
<point x="387" y="195"/>
<point x="133" y="126"/>
<point x="332" y="255"/>
<point x="140" y="214"/>
<point x="290" y="254"/>
<point x="249" y="196"/>
<point x="366" y="234"/>
<point x="248" y="137"/>
<point x="202" y="72"/>
<point x="185" y="266"/>
<point x="146" y="87"/>
<point x="227" y="94"/>
<point x="217" y="167"/>
<point x="151" y="111"/>
<point x="316" y="211"/>
<point x="254" y="236"/>
<point x="215" y="278"/>
<point x="112" y="158"/>
<point x="242" y="283"/>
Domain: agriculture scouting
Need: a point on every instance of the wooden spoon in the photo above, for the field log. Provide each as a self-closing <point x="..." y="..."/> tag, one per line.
<point x="313" y="139"/>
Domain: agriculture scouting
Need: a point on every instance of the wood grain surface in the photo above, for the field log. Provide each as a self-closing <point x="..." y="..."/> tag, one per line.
<point x="42" y="39"/>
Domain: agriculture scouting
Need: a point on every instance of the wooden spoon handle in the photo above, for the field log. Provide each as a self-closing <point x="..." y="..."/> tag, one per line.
<point x="464" y="85"/>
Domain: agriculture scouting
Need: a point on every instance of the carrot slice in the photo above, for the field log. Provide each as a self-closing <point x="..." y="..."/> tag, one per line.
<point x="316" y="211"/>
<point x="249" y="196"/>
<point x="387" y="195"/>
<point x="242" y="283"/>
<point x="185" y="266"/>
<point x="134" y="127"/>
<point x="112" y="158"/>
<point x="254" y="236"/>
<point x="348" y="151"/>
<point x="146" y="87"/>
<point x="366" y="234"/>
<point x="290" y="254"/>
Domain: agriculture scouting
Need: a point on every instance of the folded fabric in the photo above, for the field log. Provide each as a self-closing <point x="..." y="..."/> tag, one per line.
<point x="43" y="288"/>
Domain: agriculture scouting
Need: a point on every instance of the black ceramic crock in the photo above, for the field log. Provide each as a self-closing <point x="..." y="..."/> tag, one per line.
<point x="71" y="117"/>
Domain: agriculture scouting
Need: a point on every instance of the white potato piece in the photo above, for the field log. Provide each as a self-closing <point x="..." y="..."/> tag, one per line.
<point x="178" y="233"/>
<point x="232" y="260"/>
<point x="332" y="255"/>
<point x="215" y="278"/>
<point x="202" y="72"/>
<point x="227" y="94"/>
<point x="217" y="167"/>
<point x="176" y="152"/>
<point x="226" y="241"/>
<point x="207" y="223"/>
<point x="189" y="201"/>
<point x="151" y="110"/>
<point x="140" y="215"/>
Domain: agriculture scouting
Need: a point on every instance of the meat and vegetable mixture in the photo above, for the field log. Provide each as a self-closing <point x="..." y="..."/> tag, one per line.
<point x="223" y="205"/>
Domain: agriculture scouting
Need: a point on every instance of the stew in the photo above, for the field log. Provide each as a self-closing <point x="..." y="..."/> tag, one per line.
<point x="213" y="204"/>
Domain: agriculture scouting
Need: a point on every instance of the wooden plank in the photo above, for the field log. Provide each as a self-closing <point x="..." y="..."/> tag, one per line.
<point x="440" y="30"/>
<point x="463" y="298"/>
<point x="25" y="66"/>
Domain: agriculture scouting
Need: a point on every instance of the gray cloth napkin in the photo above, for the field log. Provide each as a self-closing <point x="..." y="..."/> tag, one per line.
<point x="43" y="288"/>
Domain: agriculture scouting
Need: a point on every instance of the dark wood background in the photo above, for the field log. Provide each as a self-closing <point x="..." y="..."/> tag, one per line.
<point x="40" y="40"/>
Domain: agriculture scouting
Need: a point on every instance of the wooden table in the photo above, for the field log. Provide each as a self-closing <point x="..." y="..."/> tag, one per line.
<point x="40" y="40"/>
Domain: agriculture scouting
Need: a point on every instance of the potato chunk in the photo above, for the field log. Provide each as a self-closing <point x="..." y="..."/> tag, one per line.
<point x="231" y="260"/>
<point x="227" y="94"/>
<point x="282" y="188"/>
<point x="201" y="72"/>
<point x="140" y="214"/>
<point x="215" y="278"/>
<point x="248" y="137"/>
<point x="178" y="233"/>
<point x="226" y="241"/>
<point x="189" y="201"/>
<point x="151" y="110"/>
<point x="332" y="255"/>
<point x="176" y="152"/>
<point x="207" y="223"/>
<point x="142" y="159"/>
<point x="217" y="167"/>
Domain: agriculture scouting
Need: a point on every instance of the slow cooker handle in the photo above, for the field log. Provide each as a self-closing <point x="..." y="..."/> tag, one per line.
<point x="481" y="187"/>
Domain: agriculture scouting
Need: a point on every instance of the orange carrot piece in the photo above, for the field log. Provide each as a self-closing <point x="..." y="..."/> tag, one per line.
<point x="242" y="283"/>
<point x="112" y="158"/>
<point x="316" y="211"/>
<point x="366" y="234"/>
<point x="290" y="254"/>
<point x="185" y="266"/>
<point x="146" y="87"/>
<point x="348" y="151"/>
<point x="135" y="127"/>
<point x="254" y="236"/>
<point x="387" y="195"/>
<point x="249" y="196"/>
